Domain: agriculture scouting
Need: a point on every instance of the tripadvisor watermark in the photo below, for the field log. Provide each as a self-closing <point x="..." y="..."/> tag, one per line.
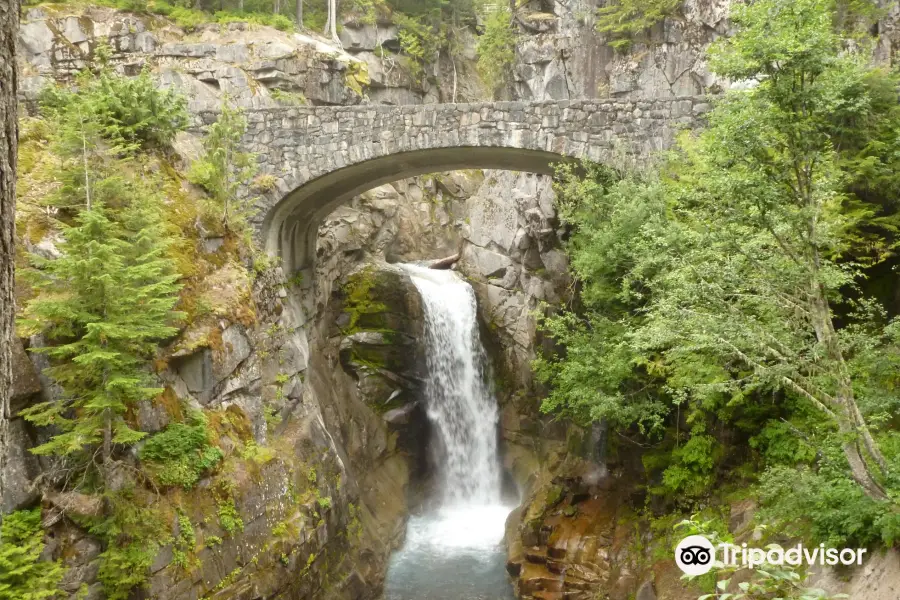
<point x="696" y="555"/>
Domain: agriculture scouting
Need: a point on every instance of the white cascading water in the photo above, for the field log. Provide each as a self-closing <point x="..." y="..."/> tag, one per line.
<point x="455" y="551"/>
<point x="460" y="406"/>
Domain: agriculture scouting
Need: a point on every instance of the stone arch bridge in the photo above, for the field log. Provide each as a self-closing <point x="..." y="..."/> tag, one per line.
<point x="323" y="156"/>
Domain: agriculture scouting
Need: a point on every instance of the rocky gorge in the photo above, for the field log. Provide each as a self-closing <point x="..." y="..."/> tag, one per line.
<point x="319" y="411"/>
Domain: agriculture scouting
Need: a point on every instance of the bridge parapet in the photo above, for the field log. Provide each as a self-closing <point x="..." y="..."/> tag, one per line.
<point x="321" y="156"/>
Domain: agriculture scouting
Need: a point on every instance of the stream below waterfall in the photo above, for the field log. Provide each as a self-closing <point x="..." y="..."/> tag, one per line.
<point x="454" y="548"/>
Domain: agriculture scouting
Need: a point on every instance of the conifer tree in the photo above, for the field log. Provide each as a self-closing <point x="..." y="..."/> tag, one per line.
<point x="23" y="575"/>
<point x="105" y="304"/>
<point x="108" y="300"/>
<point x="223" y="167"/>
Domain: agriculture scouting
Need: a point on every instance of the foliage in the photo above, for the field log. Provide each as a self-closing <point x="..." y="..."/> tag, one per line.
<point x="229" y="518"/>
<point x="825" y="505"/>
<point x="185" y="541"/>
<point x="624" y="19"/>
<point x="496" y="48"/>
<point x="128" y="111"/>
<point x="289" y="98"/>
<point x="133" y="533"/>
<point x="186" y="18"/>
<point x="419" y="41"/>
<point x="691" y="473"/>
<point x="23" y="574"/>
<point x="592" y="369"/>
<point x="733" y="288"/>
<point x="279" y="22"/>
<point x="182" y="453"/>
<point x="787" y="582"/>
<point x="224" y="167"/>
<point x="104" y="305"/>
<point x="191" y="18"/>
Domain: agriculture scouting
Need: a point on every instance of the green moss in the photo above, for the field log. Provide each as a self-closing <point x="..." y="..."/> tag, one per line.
<point x="288" y="99"/>
<point x="554" y="495"/>
<point x="358" y="299"/>
<point x="357" y="77"/>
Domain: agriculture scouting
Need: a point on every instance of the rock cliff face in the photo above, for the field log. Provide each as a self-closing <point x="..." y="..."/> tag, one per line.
<point x="319" y="452"/>
<point x="339" y="406"/>
<point x="338" y="409"/>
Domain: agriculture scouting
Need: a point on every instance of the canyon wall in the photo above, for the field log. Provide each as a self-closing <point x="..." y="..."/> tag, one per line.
<point x="321" y="430"/>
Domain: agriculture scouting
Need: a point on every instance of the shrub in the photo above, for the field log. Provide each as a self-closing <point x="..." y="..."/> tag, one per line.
<point x="181" y="454"/>
<point x="826" y="506"/>
<point x="279" y="22"/>
<point x="229" y="517"/>
<point x="133" y="534"/>
<point x="496" y="49"/>
<point x="130" y="111"/>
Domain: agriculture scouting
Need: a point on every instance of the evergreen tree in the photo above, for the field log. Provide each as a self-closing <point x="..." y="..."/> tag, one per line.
<point x="223" y="167"/>
<point x="23" y="574"/>
<point x="107" y="301"/>
<point x="104" y="305"/>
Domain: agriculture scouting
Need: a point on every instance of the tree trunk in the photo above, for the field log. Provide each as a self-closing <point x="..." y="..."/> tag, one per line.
<point x="300" y="14"/>
<point x="851" y="425"/>
<point x="9" y="24"/>
<point x="107" y="437"/>
<point x="331" y="23"/>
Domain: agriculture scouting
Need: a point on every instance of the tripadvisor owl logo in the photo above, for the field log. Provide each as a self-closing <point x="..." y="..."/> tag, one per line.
<point x="695" y="555"/>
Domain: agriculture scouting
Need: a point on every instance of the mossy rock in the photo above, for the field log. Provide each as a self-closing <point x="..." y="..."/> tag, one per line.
<point x="381" y="298"/>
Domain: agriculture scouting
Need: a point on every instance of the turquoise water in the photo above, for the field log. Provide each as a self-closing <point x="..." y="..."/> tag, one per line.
<point x="452" y="554"/>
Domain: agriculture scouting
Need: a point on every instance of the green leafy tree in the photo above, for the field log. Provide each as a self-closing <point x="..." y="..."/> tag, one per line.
<point x="23" y="575"/>
<point x="496" y="48"/>
<point x="224" y="167"/>
<point x="732" y="279"/>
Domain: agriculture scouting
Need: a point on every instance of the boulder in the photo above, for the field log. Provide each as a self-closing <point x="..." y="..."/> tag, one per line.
<point x="235" y="350"/>
<point x="356" y="37"/>
<point x="486" y="263"/>
<point x="25" y="382"/>
<point x="152" y="416"/>
<point x="196" y="371"/>
<point x="76" y="503"/>
<point x="400" y="416"/>
<point x="20" y="470"/>
<point x="646" y="592"/>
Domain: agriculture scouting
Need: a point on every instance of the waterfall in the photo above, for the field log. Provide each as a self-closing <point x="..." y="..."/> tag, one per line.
<point x="459" y="402"/>
<point x="454" y="550"/>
